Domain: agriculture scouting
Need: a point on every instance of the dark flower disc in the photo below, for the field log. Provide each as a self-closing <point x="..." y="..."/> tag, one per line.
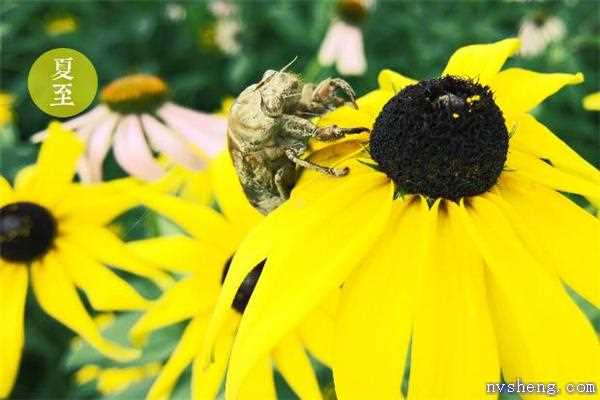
<point x="441" y="138"/>
<point x="27" y="232"/>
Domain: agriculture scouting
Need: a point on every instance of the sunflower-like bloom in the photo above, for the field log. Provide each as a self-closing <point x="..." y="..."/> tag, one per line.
<point x="204" y="257"/>
<point x="137" y="118"/>
<point x="52" y="233"/>
<point x="449" y="239"/>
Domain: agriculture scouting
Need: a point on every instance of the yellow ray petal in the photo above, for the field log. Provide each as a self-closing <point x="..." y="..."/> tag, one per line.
<point x="592" y="102"/>
<point x="178" y="253"/>
<point x="98" y="204"/>
<point x="393" y="81"/>
<point x="56" y="162"/>
<point x="481" y="62"/>
<point x="198" y="220"/>
<point x="568" y="238"/>
<point x="454" y="349"/>
<point x="293" y="363"/>
<point x="176" y="305"/>
<point x="260" y="383"/>
<point x="255" y="247"/>
<point x="299" y="274"/>
<point x="518" y="90"/>
<point x="369" y="107"/>
<point x="230" y="195"/>
<point x="104" y="289"/>
<point x="13" y="290"/>
<point x="317" y="332"/>
<point x="336" y="154"/>
<point x="57" y="296"/>
<point x="376" y="312"/>
<point x="182" y="356"/>
<point x="107" y="248"/>
<point x="5" y="190"/>
<point x="542" y="335"/>
<point x="534" y="138"/>
<point x="522" y="164"/>
<point x="206" y="382"/>
<point x="114" y="380"/>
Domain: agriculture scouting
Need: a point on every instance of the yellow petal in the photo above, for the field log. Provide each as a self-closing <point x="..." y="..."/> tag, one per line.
<point x="176" y="305"/>
<point x="542" y="335"/>
<point x="206" y="382"/>
<point x="57" y="296"/>
<point x="522" y="164"/>
<point x="393" y="81"/>
<point x="310" y="260"/>
<point x="230" y="196"/>
<point x="197" y="187"/>
<point x="107" y="248"/>
<point x="104" y="289"/>
<point x="114" y="380"/>
<point x="182" y="356"/>
<point x="178" y="253"/>
<point x="306" y="200"/>
<point x="260" y="383"/>
<point x="317" y="334"/>
<point x="533" y="138"/>
<point x="5" y="190"/>
<point x="592" y="102"/>
<point x="198" y="220"/>
<point x="454" y="349"/>
<point x="293" y="363"/>
<point x="56" y="162"/>
<point x="375" y="318"/>
<point x="481" y="62"/>
<point x="566" y="235"/>
<point x="518" y="90"/>
<point x="98" y="204"/>
<point x="369" y="107"/>
<point x="13" y="290"/>
<point x="334" y="155"/>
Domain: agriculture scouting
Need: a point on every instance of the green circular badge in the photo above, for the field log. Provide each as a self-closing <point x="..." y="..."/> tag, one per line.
<point x="62" y="82"/>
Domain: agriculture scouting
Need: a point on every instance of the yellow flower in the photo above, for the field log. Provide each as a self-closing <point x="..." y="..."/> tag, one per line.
<point x="116" y="379"/>
<point x="204" y="257"/>
<point x="453" y="242"/>
<point x="592" y="102"/>
<point x="61" y="25"/>
<point x="52" y="233"/>
<point x="6" y="114"/>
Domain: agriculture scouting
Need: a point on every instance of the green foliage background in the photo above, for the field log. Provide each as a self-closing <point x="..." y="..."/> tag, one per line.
<point x="121" y="37"/>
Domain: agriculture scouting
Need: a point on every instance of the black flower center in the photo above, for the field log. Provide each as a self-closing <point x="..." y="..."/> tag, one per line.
<point x="242" y="296"/>
<point x="27" y="232"/>
<point x="443" y="137"/>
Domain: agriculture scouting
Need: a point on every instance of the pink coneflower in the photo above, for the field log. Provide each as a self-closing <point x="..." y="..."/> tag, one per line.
<point x="136" y="118"/>
<point x="538" y="32"/>
<point x="343" y="42"/>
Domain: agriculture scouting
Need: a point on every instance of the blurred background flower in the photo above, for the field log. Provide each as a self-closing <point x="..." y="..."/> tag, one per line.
<point x="540" y="31"/>
<point x="343" y="43"/>
<point x="6" y="113"/>
<point x="60" y="25"/>
<point x="177" y="41"/>
<point x="136" y="118"/>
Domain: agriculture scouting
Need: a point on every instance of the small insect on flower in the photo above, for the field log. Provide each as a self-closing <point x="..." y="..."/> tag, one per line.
<point x="269" y="129"/>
